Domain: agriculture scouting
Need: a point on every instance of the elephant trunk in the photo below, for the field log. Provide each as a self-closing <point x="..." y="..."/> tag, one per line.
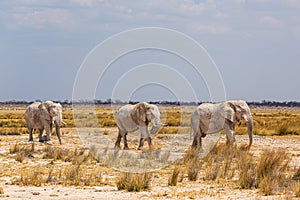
<point x="58" y="122"/>
<point x="250" y="129"/>
<point x="57" y="130"/>
<point x="155" y="127"/>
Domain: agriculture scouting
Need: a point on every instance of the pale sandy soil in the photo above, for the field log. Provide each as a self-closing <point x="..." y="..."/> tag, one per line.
<point x="159" y="185"/>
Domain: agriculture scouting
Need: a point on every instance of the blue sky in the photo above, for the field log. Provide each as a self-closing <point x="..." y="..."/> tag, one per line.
<point x="255" y="45"/>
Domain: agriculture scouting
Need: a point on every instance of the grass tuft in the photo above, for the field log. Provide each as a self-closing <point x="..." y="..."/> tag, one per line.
<point x="247" y="170"/>
<point x="296" y="189"/>
<point x="134" y="182"/>
<point x="192" y="163"/>
<point x="174" y="178"/>
<point x="271" y="171"/>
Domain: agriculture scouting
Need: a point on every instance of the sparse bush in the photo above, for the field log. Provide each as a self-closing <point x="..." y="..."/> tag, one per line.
<point x="211" y="168"/>
<point x="247" y="170"/>
<point x="193" y="164"/>
<point x="71" y="175"/>
<point x="296" y="176"/>
<point x="14" y="148"/>
<point x="218" y="163"/>
<point x="93" y="178"/>
<point x="76" y="156"/>
<point x="174" y="178"/>
<point x="134" y="182"/>
<point x="271" y="170"/>
<point x="20" y="156"/>
<point x="32" y="177"/>
<point x="296" y="189"/>
<point x="21" y="151"/>
<point x="284" y="130"/>
<point x="55" y="153"/>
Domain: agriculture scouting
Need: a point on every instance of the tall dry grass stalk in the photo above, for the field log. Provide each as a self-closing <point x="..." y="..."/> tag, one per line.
<point x="174" y="177"/>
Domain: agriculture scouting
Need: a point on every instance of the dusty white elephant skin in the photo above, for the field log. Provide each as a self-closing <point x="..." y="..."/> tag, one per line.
<point x="130" y="118"/>
<point x="211" y="118"/>
<point x="42" y="116"/>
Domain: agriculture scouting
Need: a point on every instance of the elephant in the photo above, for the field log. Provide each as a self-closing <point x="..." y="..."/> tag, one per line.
<point x="211" y="118"/>
<point x="42" y="116"/>
<point x="130" y="118"/>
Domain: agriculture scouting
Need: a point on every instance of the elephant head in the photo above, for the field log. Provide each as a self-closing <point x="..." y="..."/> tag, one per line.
<point x="52" y="113"/>
<point x="238" y="110"/>
<point x="143" y="113"/>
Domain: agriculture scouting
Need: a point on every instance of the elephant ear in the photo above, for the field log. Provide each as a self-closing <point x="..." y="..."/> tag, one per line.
<point x="230" y="111"/>
<point x="138" y="113"/>
<point x="44" y="110"/>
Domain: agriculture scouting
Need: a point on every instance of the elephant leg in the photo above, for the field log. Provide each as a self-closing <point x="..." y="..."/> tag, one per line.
<point x="41" y="139"/>
<point x="48" y="132"/>
<point x="141" y="143"/>
<point x="229" y="131"/>
<point x="197" y="142"/>
<point x="30" y="134"/>
<point x="117" y="144"/>
<point x="51" y="126"/>
<point x="149" y="141"/>
<point x="144" y="136"/>
<point x="125" y="142"/>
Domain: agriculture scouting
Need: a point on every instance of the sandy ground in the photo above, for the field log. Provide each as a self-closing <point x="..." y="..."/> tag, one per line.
<point x="159" y="188"/>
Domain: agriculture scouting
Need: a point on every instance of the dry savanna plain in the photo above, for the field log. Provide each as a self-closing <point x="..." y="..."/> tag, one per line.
<point x="74" y="170"/>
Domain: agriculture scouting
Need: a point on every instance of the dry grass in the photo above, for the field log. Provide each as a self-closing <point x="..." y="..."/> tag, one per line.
<point x="272" y="168"/>
<point x="69" y="175"/>
<point x="247" y="170"/>
<point x="77" y="156"/>
<point x="31" y="176"/>
<point x="296" y="189"/>
<point x="174" y="178"/>
<point x="134" y="182"/>
<point x="218" y="163"/>
<point x="275" y="122"/>
<point x="1" y="190"/>
<point x="22" y="151"/>
<point x="70" y="165"/>
<point x="267" y="121"/>
<point x="192" y="163"/>
<point x="296" y="176"/>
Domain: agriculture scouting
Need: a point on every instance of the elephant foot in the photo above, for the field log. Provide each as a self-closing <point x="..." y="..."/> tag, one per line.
<point x="117" y="146"/>
<point x="125" y="148"/>
<point x="48" y="142"/>
<point x="43" y="139"/>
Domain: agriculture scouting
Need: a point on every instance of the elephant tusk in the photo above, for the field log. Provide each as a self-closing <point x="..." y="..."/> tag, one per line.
<point x="64" y="123"/>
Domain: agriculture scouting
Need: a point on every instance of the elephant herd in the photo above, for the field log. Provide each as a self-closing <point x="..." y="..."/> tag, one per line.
<point x="206" y="119"/>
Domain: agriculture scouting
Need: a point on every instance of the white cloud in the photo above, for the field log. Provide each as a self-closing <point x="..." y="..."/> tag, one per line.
<point x="271" y="21"/>
<point x="84" y="3"/>
<point x="214" y="29"/>
<point x="23" y="17"/>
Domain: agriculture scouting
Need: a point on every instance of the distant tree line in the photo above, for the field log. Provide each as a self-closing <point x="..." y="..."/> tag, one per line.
<point x="174" y="103"/>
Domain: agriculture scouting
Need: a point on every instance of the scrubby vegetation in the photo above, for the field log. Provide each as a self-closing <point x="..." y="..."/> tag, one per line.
<point x="269" y="171"/>
<point x="134" y="182"/>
